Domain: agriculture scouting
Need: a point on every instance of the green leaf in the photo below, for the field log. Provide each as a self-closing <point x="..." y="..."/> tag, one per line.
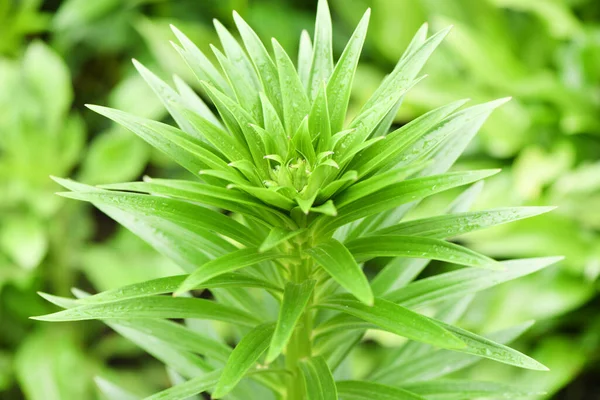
<point x="375" y="183"/>
<point x="190" y="154"/>
<point x="171" y="283"/>
<point x="305" y="51"/>
<point x="362" y="390"/>
<point x="453" y="284"/>
<point x="239" y="122"/>
<point x="334" y="258"/>
<point x="318" y="379"/>
<point x="245" y="94"/>
<point x="451" y="225"/>
<point x="322" y="59"/>
<point x="267" y="71"/>
<point x="395" y="319"/>
<point x="193" y="102"/>
<point x="243" y="357"/>
<point x="417" y="247"/>
<point x="398" y="194"/>
<point x="273" y="125"/>
<point x="385" y="151"/>
<point x="111" y="391"/>
<point x="295" y="101"/>
<point x="278" y="236"/>
<point x="227" y="199"/>
<point x="295" y="299"/>
<point x="340" y="83"/>
<point x="199" y="63"/>
<point x="237" y="55"/>
<point x="454" y="389"/>
<point x="486" y="348"/>
<point x="389" y="93"/>
<point x="154" y="307"/>
<point x="436" y="363"/>
<point x="183" y="362"/>
<point x="227" y="263"/>
<point x="168" y="97"/>
<point x="319" y="123"/>
<point x="189" y="388"/>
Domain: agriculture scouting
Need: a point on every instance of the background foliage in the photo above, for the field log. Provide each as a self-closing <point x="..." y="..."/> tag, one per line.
<point x="57" y="56"/>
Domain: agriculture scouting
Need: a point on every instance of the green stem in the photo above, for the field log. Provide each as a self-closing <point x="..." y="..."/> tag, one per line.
<point x="300" y="344"/>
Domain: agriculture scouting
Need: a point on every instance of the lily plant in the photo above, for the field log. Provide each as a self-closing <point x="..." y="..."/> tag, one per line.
<point x="290" y="197"/>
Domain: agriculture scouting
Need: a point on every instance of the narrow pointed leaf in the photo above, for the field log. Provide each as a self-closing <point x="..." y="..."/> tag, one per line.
<point x="305" y="51"/>
<point x="154" y="307"/>
<point x="192" y="155"/>
<point x="278" y="236"/>
<point x="322" y="59"/>
<point x="362" y="390"/>
<point x="398" y="194"/>
<point x="243" y="357"/>
<point x="455" y="389"/>
<point x="396" y="319"/>
<point x="294" y="99"/>
<point x="188" y="388"/>
<point x="340" y="83"/>
<point x="334" y="258"/>
<point x="236" y="55"/>
<point x="199" y="63"/>
<point x="318" y="379"/>
<point x="451" y="225"/>
<point x="295" y="299"/>
<point x="267" y="71"/>
<point x="229" y="262"/>
<point x="465" y="281"/>
<point x="418" y="247"/>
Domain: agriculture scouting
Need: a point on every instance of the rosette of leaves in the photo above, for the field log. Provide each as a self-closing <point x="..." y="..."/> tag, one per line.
<point x="309" y="196"/>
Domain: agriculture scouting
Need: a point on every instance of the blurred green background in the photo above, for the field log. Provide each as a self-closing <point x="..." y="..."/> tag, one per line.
<point x="56" y="56"/>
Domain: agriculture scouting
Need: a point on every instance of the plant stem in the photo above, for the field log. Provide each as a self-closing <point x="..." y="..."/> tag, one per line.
<point x="300" y="344"/>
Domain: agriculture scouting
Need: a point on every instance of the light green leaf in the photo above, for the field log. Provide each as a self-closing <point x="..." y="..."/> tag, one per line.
<point x="190" y="154"/>
<point x="154" y="307"/>
<point x="375" y="183"/>
<point x="246" y="95"/>
<point x="417" y="247"/>
<point x="437" y="363"/>
<point x="334" y="258"/>
<point x="340" y="83"/>
<point x="398" y="194"/>
<point x="322" y="59"/>
<point x="243" y="357"/>
<point x="278" y="236"/>
<point x="171" y="283"/>
<point x="383" y="152"/>
<point x="396" y="319"/>
<point x="318" y="379"/>
<point x="295" y="101"/>
<point x="389" y="93"/>
<point x="112" y="391"/>
<point x="451" y="225"/>
<point x="465" y="281"/>
<point x="189" y="388"/>
<point x="305" y="51"/>
<point x="295" y="299"/>
<point x="227" y="263"/>
<point x="153" y="208"/>
<point x="454" y="389"/>
<point x="199" y="63"/>
<point x="267" y="71"/>
<point x="362" y="390"/>
<point x="236" y="55"/>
